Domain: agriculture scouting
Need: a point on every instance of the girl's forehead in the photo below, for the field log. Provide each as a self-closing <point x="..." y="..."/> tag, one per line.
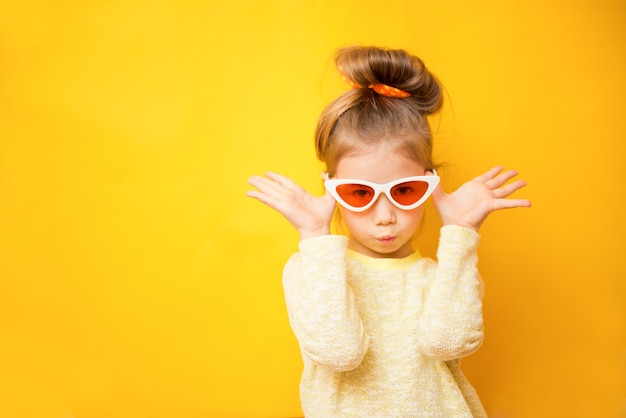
<point x="378" y="164"/>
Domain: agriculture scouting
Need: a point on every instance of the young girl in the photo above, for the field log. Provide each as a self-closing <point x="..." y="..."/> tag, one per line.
<point x="381" y="329"/>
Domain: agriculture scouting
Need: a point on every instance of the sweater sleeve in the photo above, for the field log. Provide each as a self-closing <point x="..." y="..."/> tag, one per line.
<point x="321" y="306"/>
<point x="451" y="323"/>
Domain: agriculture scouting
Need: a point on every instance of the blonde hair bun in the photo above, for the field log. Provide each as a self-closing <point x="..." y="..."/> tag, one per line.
<point x="369" y="65"/>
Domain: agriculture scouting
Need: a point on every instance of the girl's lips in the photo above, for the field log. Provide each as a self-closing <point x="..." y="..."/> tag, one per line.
<point x="386" y="240"/>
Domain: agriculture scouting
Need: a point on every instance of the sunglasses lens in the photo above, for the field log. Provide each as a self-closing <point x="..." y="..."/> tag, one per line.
<point x="409" y="192"/>
<point x="357" y="195"/>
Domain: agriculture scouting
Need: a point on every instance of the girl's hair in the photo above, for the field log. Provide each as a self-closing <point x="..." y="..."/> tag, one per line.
<point x="361" y="117"/>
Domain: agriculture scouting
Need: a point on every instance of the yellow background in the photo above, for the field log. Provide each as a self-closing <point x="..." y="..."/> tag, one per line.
<point x="137" y="280"/>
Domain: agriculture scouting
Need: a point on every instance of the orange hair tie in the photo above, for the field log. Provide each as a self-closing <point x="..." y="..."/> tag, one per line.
<point x="385" y="90"/>
<point x="347" y="80"/>
<point x="382" y="89"/>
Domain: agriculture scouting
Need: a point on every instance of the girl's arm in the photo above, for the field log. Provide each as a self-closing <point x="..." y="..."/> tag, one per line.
<point x="451" y="322"/>
<point x="321" y="305"/>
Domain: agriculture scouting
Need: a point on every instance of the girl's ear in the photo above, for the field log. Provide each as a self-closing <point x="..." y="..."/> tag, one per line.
<point x="325" y="175"/>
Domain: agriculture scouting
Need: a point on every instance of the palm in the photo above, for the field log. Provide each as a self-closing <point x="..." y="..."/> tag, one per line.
<point x="471" y="203"/>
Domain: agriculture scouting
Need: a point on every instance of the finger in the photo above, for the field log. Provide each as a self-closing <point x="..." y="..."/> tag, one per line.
<point x="483" y="178"/>
<point x="511" y="203"/>
<point x="255" y="194"/>
<point x="262" y="197"/>
<point x="253" y="180"/>
<point x="271" y="193"/>
<point x="508" y="189"/>
<point x="259" y="181"/>
<point x="501" y="179"/>
<point x="276" y="200"/>
<point x="275" y="185"/>
<point x="283" y="181"/>
<point x="263" y="184"/>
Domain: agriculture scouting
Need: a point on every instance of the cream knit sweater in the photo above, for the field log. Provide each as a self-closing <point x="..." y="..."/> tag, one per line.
<point x="382" y="337"/>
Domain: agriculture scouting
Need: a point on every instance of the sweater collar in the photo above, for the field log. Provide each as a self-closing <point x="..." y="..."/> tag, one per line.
<point x="384" y="263"/>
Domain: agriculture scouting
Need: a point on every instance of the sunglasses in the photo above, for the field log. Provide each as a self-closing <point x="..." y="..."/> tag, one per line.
<point x="359" y="195"/>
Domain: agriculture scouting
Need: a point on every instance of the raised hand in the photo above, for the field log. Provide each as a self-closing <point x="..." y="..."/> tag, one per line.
<point x="471" y="203"/>
<point x="309" y="214"/>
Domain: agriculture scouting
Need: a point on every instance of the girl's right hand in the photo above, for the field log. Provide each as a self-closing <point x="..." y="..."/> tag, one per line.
<point x="309" y="214"/>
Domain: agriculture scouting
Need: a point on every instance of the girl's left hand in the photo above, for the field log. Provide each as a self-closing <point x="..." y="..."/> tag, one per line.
<point x="471" y="203"/>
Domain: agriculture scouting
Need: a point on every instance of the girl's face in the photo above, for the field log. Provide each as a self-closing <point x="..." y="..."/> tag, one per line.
<point x="383" y="230"/>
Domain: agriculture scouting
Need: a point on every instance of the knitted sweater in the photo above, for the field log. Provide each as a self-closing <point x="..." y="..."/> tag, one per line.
<point x="382" y="337"/>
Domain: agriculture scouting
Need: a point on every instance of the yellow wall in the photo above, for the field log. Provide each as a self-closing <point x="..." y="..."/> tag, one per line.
<point x="136" y="280"/>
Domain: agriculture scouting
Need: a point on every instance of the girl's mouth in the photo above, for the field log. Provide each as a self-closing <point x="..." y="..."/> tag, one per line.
<point x="386" y="240"/>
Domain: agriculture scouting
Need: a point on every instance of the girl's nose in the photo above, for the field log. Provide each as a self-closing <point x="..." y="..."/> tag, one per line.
<point x="384" y="211"/>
